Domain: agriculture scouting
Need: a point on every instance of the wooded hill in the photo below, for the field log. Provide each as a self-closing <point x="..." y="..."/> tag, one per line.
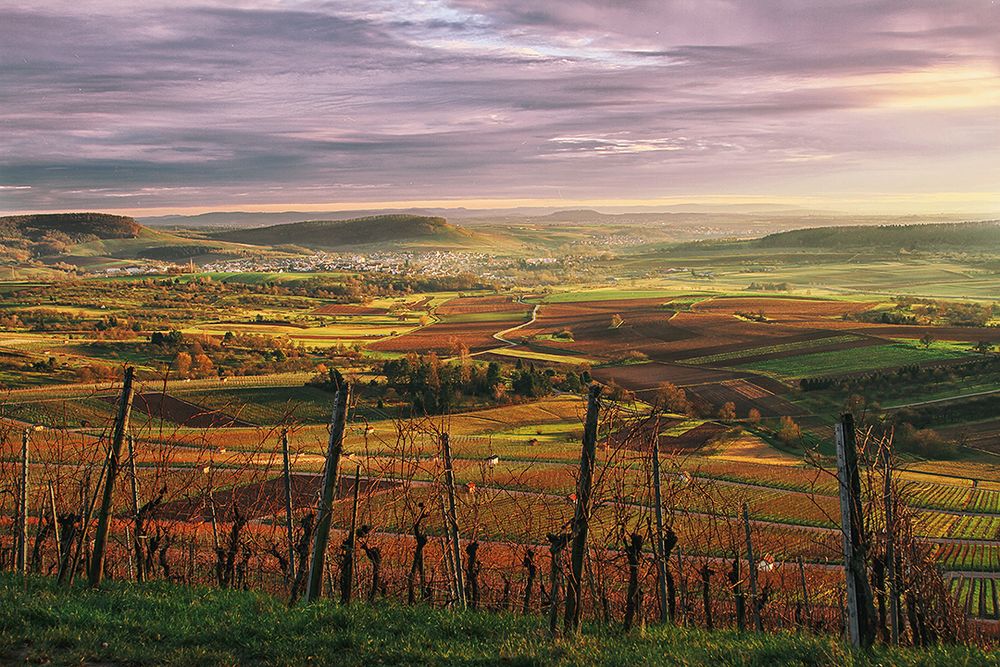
<point x="76" y="227"/>
<point x="369" y="230"/>
<point x="985" y="235"/>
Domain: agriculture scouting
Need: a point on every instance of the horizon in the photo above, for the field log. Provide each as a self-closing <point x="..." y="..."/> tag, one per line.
<point x="196" y="106"/>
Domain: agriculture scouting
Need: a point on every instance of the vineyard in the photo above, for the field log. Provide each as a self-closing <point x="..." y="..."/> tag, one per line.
<point x="212" y="505"/>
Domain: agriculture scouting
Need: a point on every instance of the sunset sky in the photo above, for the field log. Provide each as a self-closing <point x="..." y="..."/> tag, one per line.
<point x="874" y="105"/>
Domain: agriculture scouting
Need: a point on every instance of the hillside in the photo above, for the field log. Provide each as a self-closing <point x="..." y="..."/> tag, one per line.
<point x="159" y="623"/>
<point x="371" y="230"/>
<point x="969" y="235"/>
<point x="72" y="227"/>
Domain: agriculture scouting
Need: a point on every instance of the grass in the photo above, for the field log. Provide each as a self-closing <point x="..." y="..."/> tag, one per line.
<point x="841" y="362"/>
<point x="165" y="624"/>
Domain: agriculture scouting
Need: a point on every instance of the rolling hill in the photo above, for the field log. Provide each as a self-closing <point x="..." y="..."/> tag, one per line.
<point x="69" y="227"/>
<point x="95" y="240"/>
<point x="967" y="235"/>
<point x="371" y="230"/>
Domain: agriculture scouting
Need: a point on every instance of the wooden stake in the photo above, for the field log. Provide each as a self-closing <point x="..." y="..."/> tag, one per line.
<point x="55" y="522"/>
<point x="890" y="539"/>
<point x="682" y="580"/>
<point x="114" y="455"/>
<point x="87" y="506"/>
<point x="449" y="566"/>
<point x="289" y="527"/>
<point x="752" y="563"/>
<point x="350" y="547"/>
<point x="140" y="572"/>
<point x="338" y="419"/>
<point x="128" y="540"/>
<point x="449" y="480"/>
<point x="22" y="514"/>
<point x="557" y="543"/>
<point x="860" y="601"/>
<point x="581" y="516"/>
<point x="805" y="591"/>
<point x="661" y="564"/>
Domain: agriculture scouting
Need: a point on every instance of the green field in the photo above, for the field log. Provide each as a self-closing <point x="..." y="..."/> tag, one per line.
<point x="769" y="349"/>
<point x="854" y="360"/>
<point x="156" y="624"/>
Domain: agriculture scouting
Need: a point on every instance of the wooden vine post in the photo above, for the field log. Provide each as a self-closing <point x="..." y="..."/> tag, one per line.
<point x="661" y="564"/>
<point x="140" y="573"/>
<point x="456" y="549"/>
<point x="114" y="457"/>
<point x="752" y="564"/>
<point x="890" y="544"/>
<point x="289" y="527"/>
<point x="55" y="523"/>
<point x="805" y="592"/>
<point x="335" y="446"/>
<point x="581" y="516"/>
<point x="22" y="506"/>
<point x="860" y="603"/>
<point x="349" y="547"/>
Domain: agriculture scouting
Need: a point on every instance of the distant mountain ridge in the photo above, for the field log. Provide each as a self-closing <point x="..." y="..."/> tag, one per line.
<point x="77" y="227"/>
<point x="918" y="236"/>
<point x="368" y="230"/>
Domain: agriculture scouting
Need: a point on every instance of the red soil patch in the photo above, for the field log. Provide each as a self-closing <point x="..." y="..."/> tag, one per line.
<point x="647" y="325"/>
<point x="262" y="499"/>
<point x="348" y="309"/>
<point x="445" y="337"/>
<point x="652" y="329"/>
<point x="695" y="438"/>
<point x="745" y="394"/>
<point x="640" y="377"/>
<point x="465" y="305"/>
<point x="157" y="405"/>
<point x="692" y="439"/>
<point x="782" y="310"/>
<point x="963" y="334"/>
<point x="419" y="304"/>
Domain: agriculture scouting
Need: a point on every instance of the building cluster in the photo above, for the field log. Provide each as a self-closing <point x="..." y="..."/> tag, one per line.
<point x="431" y="264"/>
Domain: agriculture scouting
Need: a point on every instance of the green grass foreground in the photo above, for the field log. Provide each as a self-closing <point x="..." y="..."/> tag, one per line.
<point x="156" y="624"/>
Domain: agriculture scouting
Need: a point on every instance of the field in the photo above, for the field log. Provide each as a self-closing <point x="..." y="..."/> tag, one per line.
<point x="753" y="382"/>
<point x="853" y="360"/>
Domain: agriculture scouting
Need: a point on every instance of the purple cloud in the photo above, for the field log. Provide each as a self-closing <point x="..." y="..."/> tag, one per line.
<point x="198" y="103"/>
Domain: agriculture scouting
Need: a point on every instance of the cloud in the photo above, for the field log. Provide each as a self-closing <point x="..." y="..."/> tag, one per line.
<point x="198" y="102"/>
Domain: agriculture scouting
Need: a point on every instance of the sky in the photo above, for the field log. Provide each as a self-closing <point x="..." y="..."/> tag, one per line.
<point x="882" y="106"/>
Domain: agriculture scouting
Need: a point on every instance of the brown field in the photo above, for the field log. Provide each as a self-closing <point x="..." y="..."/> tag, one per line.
<point x="445" y="338"/>
<point x="696" y="438"/>
<point x="641" y="377"/>
<point x="984" y="435"/>
<point x="745" y="395"/>
<point x="157" y="405"/>
<point x="710" y="327"/>
<point x="263" y="499"/>
<point x="914" y="331"/>
<point x="783" y="310"/>
<point x="465" y="305"/>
